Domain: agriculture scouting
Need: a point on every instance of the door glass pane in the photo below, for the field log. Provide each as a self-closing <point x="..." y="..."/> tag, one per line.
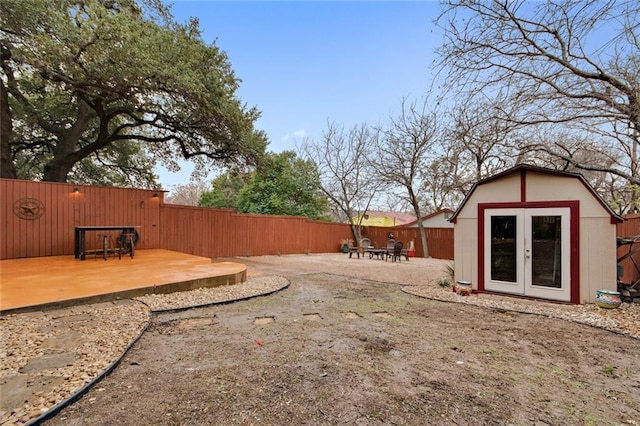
<point x="503" y="248"/>
<point x="546" y="251"/>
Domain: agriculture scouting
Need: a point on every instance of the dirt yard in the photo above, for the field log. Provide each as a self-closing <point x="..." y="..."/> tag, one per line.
<point x="331" y="349"/>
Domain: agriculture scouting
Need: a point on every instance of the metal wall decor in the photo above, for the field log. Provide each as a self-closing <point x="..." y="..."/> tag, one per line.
<point x="28" y="208"/>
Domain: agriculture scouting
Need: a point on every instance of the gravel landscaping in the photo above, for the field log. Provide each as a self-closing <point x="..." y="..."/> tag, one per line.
<point x="49" y="356"/>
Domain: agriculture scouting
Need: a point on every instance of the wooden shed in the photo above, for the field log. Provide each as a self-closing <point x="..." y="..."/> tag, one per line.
<point x="538" y="233"/>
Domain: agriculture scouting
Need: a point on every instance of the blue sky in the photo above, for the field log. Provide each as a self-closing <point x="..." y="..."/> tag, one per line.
<point x="304" y="63"/>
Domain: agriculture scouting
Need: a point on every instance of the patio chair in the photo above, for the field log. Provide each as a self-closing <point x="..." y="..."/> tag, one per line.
<point x="365" y="244"/>
<point x="390" y="243"/>
<point x="397" y="252"/>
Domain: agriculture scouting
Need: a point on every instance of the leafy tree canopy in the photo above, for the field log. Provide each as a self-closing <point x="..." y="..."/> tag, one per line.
<point x="286" y="185"/>
<point x="121" y="164"/>
<point x="224" y="193"/>
<point x="81" y="76"/>
<point x="283" y="184"/>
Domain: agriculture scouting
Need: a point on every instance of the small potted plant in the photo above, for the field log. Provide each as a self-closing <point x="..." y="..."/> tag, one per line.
<point x="608" y="299"/>
<point x="345" y="244"/>
<point x="463" y="288"/>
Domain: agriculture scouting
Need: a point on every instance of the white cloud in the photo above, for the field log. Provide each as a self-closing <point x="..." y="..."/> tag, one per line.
<point x="298" y="134"/>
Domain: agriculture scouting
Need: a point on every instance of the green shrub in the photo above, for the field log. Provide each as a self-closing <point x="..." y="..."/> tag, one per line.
<point x="450" y="271"/>
<point x="443" y="282"/>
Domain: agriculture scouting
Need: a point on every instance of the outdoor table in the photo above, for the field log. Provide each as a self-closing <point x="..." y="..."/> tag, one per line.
<point x="364" y="250"/>
<point x="378" y="252"/>
<point x="80" y="232"/>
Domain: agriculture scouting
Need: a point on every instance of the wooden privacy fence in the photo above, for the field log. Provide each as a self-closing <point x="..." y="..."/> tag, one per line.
<point x="38" y="219"/>
<point x="439" y="240"/>
<point x="222" y="233"/>
<point x="631" y="265"/>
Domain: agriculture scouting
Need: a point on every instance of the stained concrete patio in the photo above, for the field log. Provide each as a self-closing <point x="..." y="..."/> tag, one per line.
<point x="60" y="281"/>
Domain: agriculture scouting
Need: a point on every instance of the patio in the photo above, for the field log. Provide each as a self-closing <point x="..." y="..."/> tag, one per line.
<point x="60" y="281"/>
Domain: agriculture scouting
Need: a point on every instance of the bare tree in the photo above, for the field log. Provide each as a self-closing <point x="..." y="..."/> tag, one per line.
<point x="616" y="191"/>
<point x="187" y="195"/>
<point x="569" y="63"/>
<point x="405" y="153"/>
<point x="346" y="175"/>
<point x="393" y="202"/>
<point x="440" y="188"/>
<point x="478" y="140"/>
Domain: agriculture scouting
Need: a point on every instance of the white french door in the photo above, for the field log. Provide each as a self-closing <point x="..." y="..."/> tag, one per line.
<point x="527" y="252"/>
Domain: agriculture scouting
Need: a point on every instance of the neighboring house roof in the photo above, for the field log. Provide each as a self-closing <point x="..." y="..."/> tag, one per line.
<point x="430" y="215"/>
<point x="400" y="218"/>
<point x="522" y="168"/>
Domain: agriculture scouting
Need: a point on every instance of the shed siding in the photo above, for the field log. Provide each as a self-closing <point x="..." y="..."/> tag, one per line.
<point x="506" y="190"/>
<point x="597" y="257"/>
<point x="541" y="187"/>
<point x="466" y="250"/>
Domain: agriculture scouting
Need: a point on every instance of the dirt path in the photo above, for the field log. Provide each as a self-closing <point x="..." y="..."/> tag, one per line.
<point x="336" y="350"/>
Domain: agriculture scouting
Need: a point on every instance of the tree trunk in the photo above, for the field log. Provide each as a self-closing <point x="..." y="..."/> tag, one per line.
<point x="66" y="153"/>
<point x="57" y="170"/>
<point x="355" y="229"/>
<point x="7" y="169"/>
<point x="423" y="238"/>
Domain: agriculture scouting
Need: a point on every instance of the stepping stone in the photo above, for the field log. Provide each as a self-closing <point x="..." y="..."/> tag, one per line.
<point x="15" y="390"/>
<point x="263" y="320"/>
<point x="49" y="362"/>
<point x="67" y="341"/>
<point x="312" y="317"/>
